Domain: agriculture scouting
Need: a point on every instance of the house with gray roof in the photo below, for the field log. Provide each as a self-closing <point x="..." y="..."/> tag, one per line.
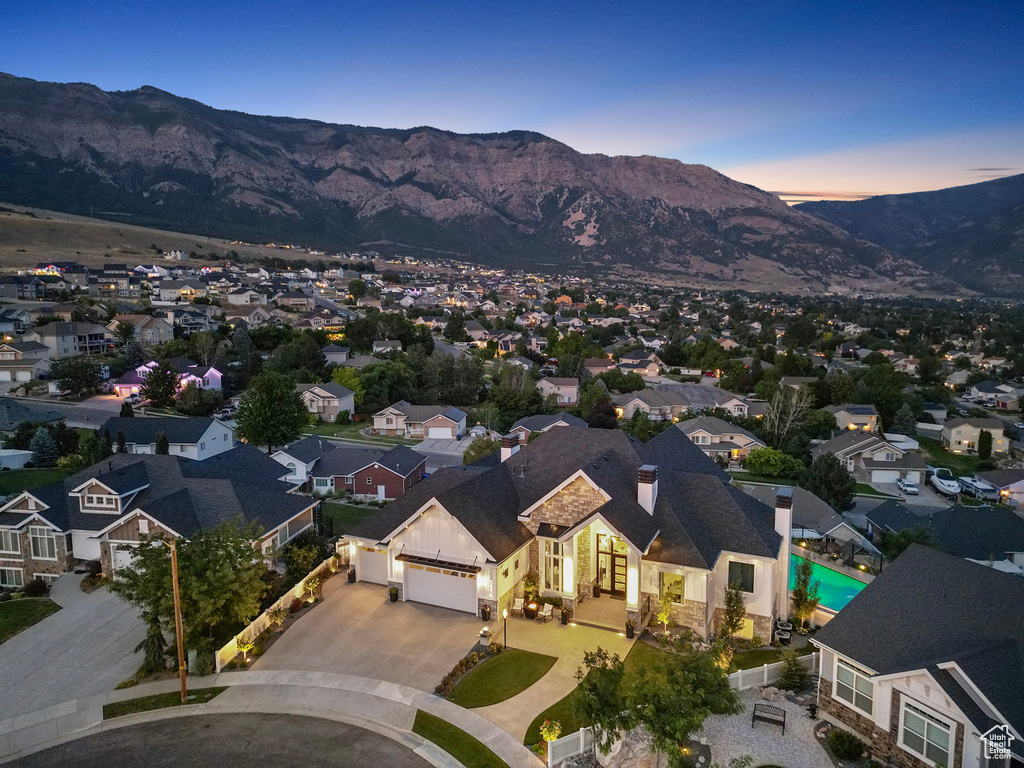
<point x="103" y="511"/>
<point x="720" y="439"/>
<point x="927" y="660"/>
<point x="963" y="435"/>
<point x="14" y="413"/>
<point x="403" y="419"/>
<point x="872" y="458"/>
<point x="195" y="438"/>
<point x="589" y="511"/>
<point x="528" y="425"/>
<point x="327" y="401"/>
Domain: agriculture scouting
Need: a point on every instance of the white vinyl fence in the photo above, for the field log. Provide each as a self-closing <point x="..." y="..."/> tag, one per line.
<point x="574" y="744"/>
<point x="767" y="674"/>
<point x="261" y="622"/>
<point x="583" y="740"/>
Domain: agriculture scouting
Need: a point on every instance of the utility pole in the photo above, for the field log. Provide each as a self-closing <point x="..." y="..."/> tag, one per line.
<point x="178" y="630"/>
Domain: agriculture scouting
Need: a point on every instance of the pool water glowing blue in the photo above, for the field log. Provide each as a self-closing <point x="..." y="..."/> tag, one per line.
<point x="835" y="589"/>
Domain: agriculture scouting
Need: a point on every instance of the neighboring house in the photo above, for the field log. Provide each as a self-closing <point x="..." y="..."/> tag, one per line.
<point x="1009" y="482"/>
<point x="72" y="339"/>
<point x="370" y="472"/>
<point x="961" y="435"/>
<point x="566" y="390"/>
<point x="716" y="437"/>
<point x="103" y="511"/>
<point x="202" y="376"/>
<point x="295" y="300"/>
<point x="927" y="659"/>
<point x="149" y="331"/>
<point x="246" y="297"/>
<point x="427" y="421"/>
<point x="335" y="354"/>
<point x="247" y="316"/>
<point x="585" y="509"/>
<point x="14" y="413"/>
<point x="862" y="417"/>
<point x="795" y="382"/>
<point x="871" y="457"/>
<point x="384" y="346"/>
<point x="195" y="438"/>
<point x="529" y="425"/>
<point x="595" y="366"/>
<point x="658" y="405"/>
<point x="23" y="360"/>
<point x="643" y="359"/>
<point x="13" y="322"/>
<point x="327" y="400"/>
<point x="178" y="290"/>
<point x="812" y="517"/>
<point x="189" y="320"/>
<point x="994" y="395"/>
<point x="988" y="535"/>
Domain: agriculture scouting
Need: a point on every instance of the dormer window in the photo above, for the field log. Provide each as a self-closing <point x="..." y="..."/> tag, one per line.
<point x="100" y="502"/>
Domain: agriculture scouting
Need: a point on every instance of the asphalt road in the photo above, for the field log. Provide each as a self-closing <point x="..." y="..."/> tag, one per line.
<point x="230" y="741"/>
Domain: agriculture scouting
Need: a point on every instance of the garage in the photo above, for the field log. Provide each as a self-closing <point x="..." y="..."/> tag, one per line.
<point x="372" y="565"/>
<point x="443" y="433"/>
<point x="440" y="586"/>
<point x="885" y="475"/>
<point x="5" y="375"/>
<point x="913" y="476"/>
<point x="120" y="557"/>
<point x="23" y="375"/>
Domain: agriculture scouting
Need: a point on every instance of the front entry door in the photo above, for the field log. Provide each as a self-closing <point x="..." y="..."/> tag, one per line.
<point x="611" y="560"/>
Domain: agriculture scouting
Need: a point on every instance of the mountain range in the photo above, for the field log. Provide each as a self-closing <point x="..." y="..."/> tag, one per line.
<point x="974" y="234"/>
<point x="515" y="199"/>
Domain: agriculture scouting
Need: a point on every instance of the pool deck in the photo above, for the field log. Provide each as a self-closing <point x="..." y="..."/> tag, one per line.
<point x="835" y="565"/>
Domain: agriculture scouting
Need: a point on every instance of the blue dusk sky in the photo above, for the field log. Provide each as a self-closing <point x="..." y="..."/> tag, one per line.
<point x="806" y="99"/>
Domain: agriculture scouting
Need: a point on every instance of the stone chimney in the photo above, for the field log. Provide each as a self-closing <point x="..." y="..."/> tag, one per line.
<point x="509" y="445"/>
<point x="647" y="487"/>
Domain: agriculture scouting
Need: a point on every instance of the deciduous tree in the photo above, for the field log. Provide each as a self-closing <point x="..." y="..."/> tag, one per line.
<point x="76" y="375"/>
<point x="271" y="413"/>
<point x="828" y="479"/>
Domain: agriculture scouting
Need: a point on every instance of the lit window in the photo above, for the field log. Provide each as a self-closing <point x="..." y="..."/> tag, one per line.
<point x="853" y="686"/>
<point x="672" y="587"/>
<point x="552" y="565"/>
<point x="742" y="574"/>
<point x="925" y="735"/>
<point x="44" y="545"/>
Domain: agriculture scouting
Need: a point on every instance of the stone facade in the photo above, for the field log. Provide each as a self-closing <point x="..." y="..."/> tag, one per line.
<point x="883" y="744"/>
<point x="692" y="614"/>
<point x="401" y="588"/>
<point x="762" y="624"/>
<point x="30" y="565"/>
<point x="584" y="576"/>
<point x="567" y="507"/>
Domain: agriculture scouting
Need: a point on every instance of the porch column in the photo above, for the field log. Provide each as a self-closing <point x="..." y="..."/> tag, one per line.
<point x="569" y="569"/>
<point x="632" y="580"/>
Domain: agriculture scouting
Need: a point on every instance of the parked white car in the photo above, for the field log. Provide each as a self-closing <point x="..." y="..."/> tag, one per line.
<point x="908" y="487"/>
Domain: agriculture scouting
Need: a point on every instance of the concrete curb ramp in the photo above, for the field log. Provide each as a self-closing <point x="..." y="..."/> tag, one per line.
<point x="385" y="708"/>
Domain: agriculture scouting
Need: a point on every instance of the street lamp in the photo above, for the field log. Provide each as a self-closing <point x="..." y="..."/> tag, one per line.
<point x="178" y="631"/>
<point x="504" y="617"/>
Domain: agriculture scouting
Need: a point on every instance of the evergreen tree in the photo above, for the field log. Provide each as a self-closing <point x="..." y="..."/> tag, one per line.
<point x="829" y="481"/>
<point x="163" y="447"/>
<point x="905" y="423"/>
<point x="107" y="444"/>
<point x="985" y="444"/>
<point x="160" y="386"/>
<point x="122" y="447"/>
<point x="793" y="676"/>
<point x="43" y="447"/>
<point x="126" y="410"/>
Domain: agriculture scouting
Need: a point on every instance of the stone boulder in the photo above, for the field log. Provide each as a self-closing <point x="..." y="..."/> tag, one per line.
<point x="633" y="750"/>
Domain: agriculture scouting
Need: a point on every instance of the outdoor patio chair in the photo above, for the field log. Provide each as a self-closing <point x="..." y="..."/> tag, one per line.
<point x="545" y="613"/>
<point x="517" y="605"/>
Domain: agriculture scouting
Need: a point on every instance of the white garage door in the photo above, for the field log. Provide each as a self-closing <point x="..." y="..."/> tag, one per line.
<point x="913" y="476"/>
<point x="885" y="475"/>
<point x="119" y="558"/>
<point x="5" y="375"/>
<point x="372" y="565"/>
<point x="437" y="586"/>
<point x="23" y="375"/>
<point x="441" y="432"/>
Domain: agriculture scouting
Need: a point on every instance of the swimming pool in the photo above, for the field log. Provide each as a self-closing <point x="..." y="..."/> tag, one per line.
<point x="835" y="590"/>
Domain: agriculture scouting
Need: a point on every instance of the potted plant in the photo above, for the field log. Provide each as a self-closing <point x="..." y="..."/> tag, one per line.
<point x="630" y="629"/>
<point x="393" y="594"/>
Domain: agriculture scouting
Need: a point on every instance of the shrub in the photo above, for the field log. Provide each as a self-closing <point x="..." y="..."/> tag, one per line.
<point x="277" y="616"/>
<point x="793" y="676"/>
<point x="844" y="744"/>
<point x="756" y="642"/>
<point x="205" y="664"/>
<point x="549" y="731"/>
<point x="296" y="605"/>
<point x="4" y="597"/>
<point x="36" y="588"/>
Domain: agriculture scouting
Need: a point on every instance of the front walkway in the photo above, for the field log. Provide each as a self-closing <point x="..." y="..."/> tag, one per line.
<point x="85" y="648"/>
<point x="731" y="736"/>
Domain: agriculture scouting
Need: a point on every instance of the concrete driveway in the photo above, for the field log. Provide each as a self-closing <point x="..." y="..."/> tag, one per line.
<point x="85" y="648"/>
<point x="358" y="631"/>
<point x="442" y="453"/>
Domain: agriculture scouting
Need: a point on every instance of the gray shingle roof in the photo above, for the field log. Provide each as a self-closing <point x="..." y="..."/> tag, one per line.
<point x="13" y="413"/>
<point x="144" y="431"/>
<point x="544" y="421"/>
<point x="930" y="607"/>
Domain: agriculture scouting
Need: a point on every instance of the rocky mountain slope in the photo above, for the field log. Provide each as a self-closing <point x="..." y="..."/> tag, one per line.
<point x="973" y="234"/>
<point x="150" y="158"/>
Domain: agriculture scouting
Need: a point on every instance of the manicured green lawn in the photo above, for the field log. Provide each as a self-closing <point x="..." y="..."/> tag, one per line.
<point x="158" y="701"/>
<point x="957" y="463"/>
<point x="16" y="615"/>
<point x="564" y="711"/>
<point x="863" y="489"/>
<point x="501" y="677"/>
<point x="456" y="742"/>
<point x="350" y="431"/>
<point x="762" y="656"/>
<point x="346" y="516"/>
<point x="18" y="480"/>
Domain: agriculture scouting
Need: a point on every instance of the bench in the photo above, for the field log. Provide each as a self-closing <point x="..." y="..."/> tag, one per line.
<point x="766" y="713"/>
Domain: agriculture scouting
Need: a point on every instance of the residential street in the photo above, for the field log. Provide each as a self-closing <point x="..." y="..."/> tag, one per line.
<point x="87" y="647"/>
<point x="89" y="414"/>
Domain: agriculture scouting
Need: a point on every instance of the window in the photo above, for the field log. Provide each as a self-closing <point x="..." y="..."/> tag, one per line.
<point x="291" y="467"/>
<point x="672" y="587"/>
<point x="890" y="456"/>
<point x="202" y="446"/>
<point x="101" y="501"/>
<point x="925" y="735"/>
<point x="49" y="578"/>
<point x="44" y="545"/>
<point x="504" y="573"/>
<point x="322" y="482"/>
<point x="369" y="481"/>
<point x="552" y="565"/>
<point x="743" y="574"/>
<point x="853" y="686"/>
<point x="10" y="542"/>
<point x="516" y="566"/>
<point x="11" y="577"/>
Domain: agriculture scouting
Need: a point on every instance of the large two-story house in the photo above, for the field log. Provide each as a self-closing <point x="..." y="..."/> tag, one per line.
<point x="328" y="400"/>
<point x="428" y="421"/>
<point x="584" y="510"/>
<point x="201" y="376"/>
<point x="872" y="457"/>
<point x="72" y="339"/>
<point x="104" y="510"/>
<point x="963" y="435"/>
<point x="23" y="360"/>
<point x="718" y="438"/>
<point x="926" y="664"/>
<point x="194" y="438"/>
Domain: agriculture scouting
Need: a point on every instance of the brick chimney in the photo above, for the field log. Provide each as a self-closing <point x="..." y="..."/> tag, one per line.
<point x="509" y="445"/>
<point x="647" y="487"/>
